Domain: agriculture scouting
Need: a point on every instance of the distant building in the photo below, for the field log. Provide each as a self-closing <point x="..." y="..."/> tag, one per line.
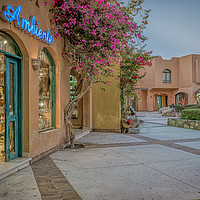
<point x="170" y="82"/>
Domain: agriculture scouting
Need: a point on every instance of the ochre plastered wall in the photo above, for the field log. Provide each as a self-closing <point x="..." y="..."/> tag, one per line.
<point x="34" y="143"/>
<point x="87" y="106"/>
<point x="106" y="106"/>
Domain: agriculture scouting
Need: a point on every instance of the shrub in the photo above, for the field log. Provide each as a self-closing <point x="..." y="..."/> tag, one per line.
<point x="179" y="108"/>
<point x="191" y="114"/>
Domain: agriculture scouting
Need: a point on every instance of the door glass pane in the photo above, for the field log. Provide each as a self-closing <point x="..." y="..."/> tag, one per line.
<point x="12" y="137"/>
<point x="7" y="44"/>
<point x="11" y="105"/>
<point x="2" y="107"/>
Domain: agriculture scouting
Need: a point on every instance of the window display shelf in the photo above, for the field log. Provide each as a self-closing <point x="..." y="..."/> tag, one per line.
<point x="43" y="111"/>
<point x="2" y="133"/>
<point x="44" y="97"/>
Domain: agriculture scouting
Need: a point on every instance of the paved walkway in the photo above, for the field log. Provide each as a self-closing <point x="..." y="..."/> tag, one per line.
<point x="160" y="163"/>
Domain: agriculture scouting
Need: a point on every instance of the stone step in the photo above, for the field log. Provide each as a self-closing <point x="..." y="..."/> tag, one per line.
<point x="8" y="168"/>
<point x="81" y="133"/>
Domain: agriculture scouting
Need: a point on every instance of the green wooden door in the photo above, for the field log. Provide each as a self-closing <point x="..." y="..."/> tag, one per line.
<point x="159" y="100"/>
<point x="11" y="79"/>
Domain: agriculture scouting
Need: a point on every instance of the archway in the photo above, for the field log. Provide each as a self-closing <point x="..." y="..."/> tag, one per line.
<point x="181" y="98"/>
<point x="197" y="96"/>
<point x="160" y="100"/>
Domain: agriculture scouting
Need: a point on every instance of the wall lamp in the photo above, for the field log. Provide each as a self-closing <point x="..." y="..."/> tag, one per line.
<point x="36" y="63"/>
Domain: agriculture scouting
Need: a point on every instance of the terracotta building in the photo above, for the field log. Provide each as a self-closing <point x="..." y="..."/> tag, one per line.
<point x="35" y="85"/>
<point x="169" y="82"/>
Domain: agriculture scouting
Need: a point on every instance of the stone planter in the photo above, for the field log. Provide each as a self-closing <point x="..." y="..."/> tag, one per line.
<point x="134" y="130"/>
<point x="184" y="123"/>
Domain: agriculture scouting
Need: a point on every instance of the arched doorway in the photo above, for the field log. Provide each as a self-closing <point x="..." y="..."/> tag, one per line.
<point x="181" y="98"/>
<point x="160" y="100"/>
<point x="197" y="96"/>
<point x="10" y="98"/>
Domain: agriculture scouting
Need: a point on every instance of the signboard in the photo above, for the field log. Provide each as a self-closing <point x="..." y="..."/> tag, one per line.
<point x="31" y="26"/>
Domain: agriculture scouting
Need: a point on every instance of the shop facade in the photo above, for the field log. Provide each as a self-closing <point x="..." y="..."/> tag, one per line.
<point x="33" y="75"/>
<point x="36" y="85"/>
<point x="167" y="82"/>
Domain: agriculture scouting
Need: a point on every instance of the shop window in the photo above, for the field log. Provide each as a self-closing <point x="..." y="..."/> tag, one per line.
<point x="7" y="45"/>
<point x="46" y="91"/>
<point x="166" y="76"/>
<point x="73" y="84"/>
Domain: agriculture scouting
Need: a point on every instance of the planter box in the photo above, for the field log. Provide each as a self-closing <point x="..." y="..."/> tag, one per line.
<point x="134" y="130"/>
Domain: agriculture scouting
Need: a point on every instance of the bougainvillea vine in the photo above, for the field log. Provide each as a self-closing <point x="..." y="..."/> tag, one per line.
<point x="97" y="35"/>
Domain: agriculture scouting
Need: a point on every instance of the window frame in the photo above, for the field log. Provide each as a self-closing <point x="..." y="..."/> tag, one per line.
<point x="167" y="73"/>
<point x="53" y="91"/>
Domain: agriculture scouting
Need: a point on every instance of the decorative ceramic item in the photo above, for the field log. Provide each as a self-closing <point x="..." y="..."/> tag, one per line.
<point x="35" y="63"/>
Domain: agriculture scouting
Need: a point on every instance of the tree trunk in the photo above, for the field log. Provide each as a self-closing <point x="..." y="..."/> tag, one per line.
<point x="70" y="128"/>
<point x="69" y="110"/>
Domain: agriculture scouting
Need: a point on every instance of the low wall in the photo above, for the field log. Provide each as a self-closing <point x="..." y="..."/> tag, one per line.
<point x="171" y="114"/>
<point x="184" y="123"/>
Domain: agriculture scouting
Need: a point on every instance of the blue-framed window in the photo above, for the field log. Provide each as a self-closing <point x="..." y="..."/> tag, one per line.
<point x="46" y="91"/>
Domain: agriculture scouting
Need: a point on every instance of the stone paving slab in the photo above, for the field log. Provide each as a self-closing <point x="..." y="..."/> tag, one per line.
<point x="131" y="182"/>
<point x="88" y="159"/>
<point x="105" y="138"/>
<point x="8" y="168"/>
<point x="186" y="171"/>
<point x="20" y="186"/>
<point x="169" y="133"/>
<point x="154" y="153"/>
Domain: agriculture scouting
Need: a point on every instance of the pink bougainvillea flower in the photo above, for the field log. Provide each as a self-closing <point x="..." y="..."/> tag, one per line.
<point x="97" y="35"/>
<point x="135" y="77"/>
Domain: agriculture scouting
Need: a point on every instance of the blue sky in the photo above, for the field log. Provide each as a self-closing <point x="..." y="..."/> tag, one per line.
<point x="174" y="27"/>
